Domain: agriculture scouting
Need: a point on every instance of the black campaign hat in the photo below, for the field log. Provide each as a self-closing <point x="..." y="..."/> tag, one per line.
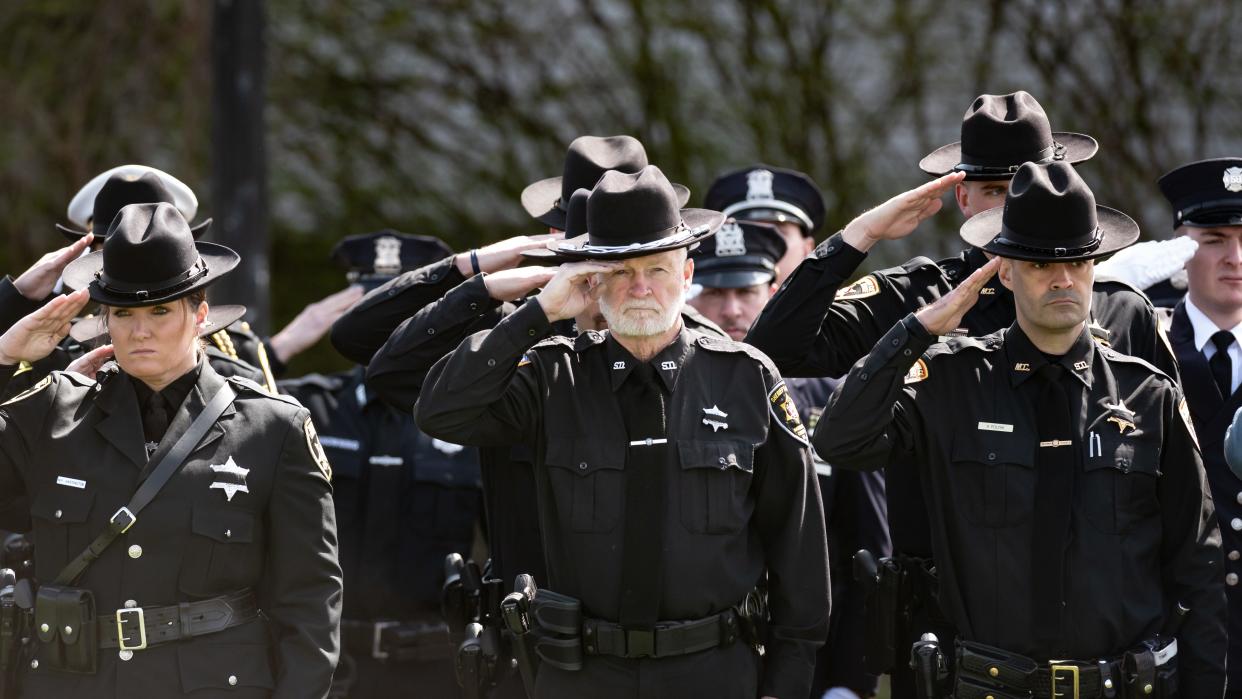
<point x="631" y="215"/>
<point x="120" y="190"/>
<point x="586" y="161"/>
<point x="767" y="193"/>
<point x="373" y="258"/>
<point x="1050" y="215"/>
<point x="742" y="254"/>
<point x="1000" y="133"/>
<point x="1206" y="193"/>
<point x="575" y="229"/>
<point x="149" y="256"/>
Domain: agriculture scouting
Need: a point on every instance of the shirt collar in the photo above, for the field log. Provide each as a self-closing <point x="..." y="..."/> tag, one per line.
<point x="1024" y="358"/>
<point x="667" y="362"/>
<point x="1203" y="326"/>
<point x="175" y="392"/>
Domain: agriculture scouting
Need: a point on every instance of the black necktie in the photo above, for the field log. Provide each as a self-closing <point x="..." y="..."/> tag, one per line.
<point x="642" y="408"/>
<point x="1220" y="364"/>
<point x="155" y="417"/>
<point x="1055" y="460"/>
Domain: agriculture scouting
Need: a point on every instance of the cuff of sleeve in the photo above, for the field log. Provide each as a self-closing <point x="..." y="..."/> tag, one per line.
<point x="525" y="326"/>
<point x="474" y="295"/>
<point x="840" y="254"/>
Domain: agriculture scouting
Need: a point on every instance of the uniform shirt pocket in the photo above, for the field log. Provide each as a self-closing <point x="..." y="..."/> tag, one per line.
<point x="715" y="485"/>
<point x="239" y="670"/>
<point x="60" y="524"/>
<point x="588" y="482"/>
<point x="222" y="554"/>
<point x="1119" y="483"/>
<point x="993" y="480"/>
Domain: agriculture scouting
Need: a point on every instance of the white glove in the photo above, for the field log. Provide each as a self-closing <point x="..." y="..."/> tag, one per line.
<point x="840" y="693"/>
<point x="1149" y="263"/>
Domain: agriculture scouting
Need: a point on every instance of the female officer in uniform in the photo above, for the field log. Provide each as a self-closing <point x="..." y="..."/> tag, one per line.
<point x="233" y="563"/>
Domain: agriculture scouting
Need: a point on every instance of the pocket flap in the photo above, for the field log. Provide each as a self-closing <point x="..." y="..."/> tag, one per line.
<point x="721" y="455"/>
<point x="990" y="450"/>
<point x="63" y="505"/>
<point x="226" y="526"/>
<point x="1125" y="455"/>
<point x="218" y="666"/>
<point x="584" y="456"/>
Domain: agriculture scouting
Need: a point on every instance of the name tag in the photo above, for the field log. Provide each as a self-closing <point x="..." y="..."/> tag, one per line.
<point x="71" y="482"/>
<point x="995" y="427"/>
<point x="339" y="443"/>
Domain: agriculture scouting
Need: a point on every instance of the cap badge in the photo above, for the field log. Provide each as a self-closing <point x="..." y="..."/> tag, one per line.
<point x="759" y="185"/>
<point x="714" y="412"/>
<point x="387" y="255"/>
<point x="1233" y="179"/>
<point x="729" y="241"/>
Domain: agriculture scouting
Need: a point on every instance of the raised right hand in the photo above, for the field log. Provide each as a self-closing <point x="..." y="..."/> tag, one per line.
<point x="505" y="254"/>
<point x="38" y="281"/>
<point x="35" y="336"/>
<point x="570" y="291"/>
<point x="899" y="216"/>
<point x="513" y="284"/>
<point x="945" y="315"/>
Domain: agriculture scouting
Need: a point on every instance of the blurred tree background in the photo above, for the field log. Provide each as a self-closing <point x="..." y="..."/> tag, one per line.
<point x="431" y="117"/>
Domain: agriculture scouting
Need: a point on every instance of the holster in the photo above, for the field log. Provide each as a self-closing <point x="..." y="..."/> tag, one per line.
<point x="557" y="623"/>
<point x="752" y="616"/>
<point x="882" y="602"/>
<point x="15" y="643"/>
<point x="1141" y="670"/>
<point x="65" y="625"/>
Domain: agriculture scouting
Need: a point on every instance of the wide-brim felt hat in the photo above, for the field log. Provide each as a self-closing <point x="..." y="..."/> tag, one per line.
<point x="1050" y="215"/>
<point x="632" y="215"/>
<point x="149" y="256"/>
<point x="586" y="161"/>
<point x="218" y="318"/>
<point x="97" y="202"/>
<point x="1000" y="133"/>
<point x="575" y="230"/>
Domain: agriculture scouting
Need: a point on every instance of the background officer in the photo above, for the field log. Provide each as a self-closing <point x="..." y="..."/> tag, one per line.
<point x="1070" y="516"/>
<point x="735" y="274"/>
<point x="403" y="501"/>
<point x="1206" y="328"/>
<point x="671" y="466"/>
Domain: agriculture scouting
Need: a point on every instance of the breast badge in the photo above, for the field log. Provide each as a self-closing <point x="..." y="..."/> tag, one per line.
<point x="230" y="478"/>
<point x="715" y="418"/>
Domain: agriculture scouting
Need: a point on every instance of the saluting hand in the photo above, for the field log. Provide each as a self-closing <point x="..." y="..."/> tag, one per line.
<point x="512" y="284"/>
<point x="38" y="281"/>
<point x="34" y="337"/>
<point x="570" y="291"/>
<point x="899" y="216"/>
<point x="312" y="323"/>
<point x="90" y="363"/>
<point x="505" y="254"/>
<point x="945" y="315"/>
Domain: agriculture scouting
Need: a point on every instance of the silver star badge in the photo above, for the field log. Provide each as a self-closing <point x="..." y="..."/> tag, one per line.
<point x="716" y="425"/>
<point x="230" y="487"/>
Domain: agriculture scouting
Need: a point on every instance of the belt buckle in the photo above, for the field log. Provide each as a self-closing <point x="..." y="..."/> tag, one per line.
<point x="639" y="643"/>
<point x="377" y="632"/>
<point x="124" y="518"/>
<point x="1072" y="678"/>
<point x="120" y="628"/>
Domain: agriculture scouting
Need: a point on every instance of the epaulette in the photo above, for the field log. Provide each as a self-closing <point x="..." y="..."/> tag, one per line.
<point x="252" y="387"/>
<point x="953" y="267"/>
<point x="729" y="345"/>
<point x="986" y="343"/>
<point x="588" y="339"/>
<point x="1113" y="355"/>
<point x="554" y="341"/>
<point x="330" y="382"/>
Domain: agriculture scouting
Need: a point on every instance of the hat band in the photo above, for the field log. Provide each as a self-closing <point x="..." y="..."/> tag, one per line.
<point x="986" y="166"/>
<point x="139" y="292"/>
<point x="774" y="204"/>
<point x="681" y="232"/>
<point x="1226" y="205"/>
<point x="1016" y="241"/>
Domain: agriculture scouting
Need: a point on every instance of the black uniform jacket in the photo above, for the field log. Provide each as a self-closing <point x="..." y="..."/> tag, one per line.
<point x="404" y="500"/>
<point x="428" y="312"/>
<point x="1143" y="533"/>
<point x="745" y="496"/>
<point x="1212" y="414"/>
<point x="74" y="447"/>
<point x="813" y="327"/>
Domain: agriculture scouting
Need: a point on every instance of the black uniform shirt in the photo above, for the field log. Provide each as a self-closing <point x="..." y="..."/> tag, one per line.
<point x="1143" y="534"/>
<point x="744" y="498"/>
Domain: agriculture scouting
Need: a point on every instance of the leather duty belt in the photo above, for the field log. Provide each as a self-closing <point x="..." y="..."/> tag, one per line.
<point x="135" y="628"/>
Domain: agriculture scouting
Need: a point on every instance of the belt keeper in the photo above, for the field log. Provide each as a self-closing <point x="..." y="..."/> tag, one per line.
<point x="728" y="627"/>
<point x="183" y="615"/>
<point x="1108" y="684"/>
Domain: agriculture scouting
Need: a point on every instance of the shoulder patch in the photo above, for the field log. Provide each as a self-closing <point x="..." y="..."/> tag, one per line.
<point x="917" y="373"/>
<point x="861" y="289"/>
<point x="316" y="449"/>
<point x="786" y="412"/>
<point x="1184" y="410"/>
<point x="43" y="383"/>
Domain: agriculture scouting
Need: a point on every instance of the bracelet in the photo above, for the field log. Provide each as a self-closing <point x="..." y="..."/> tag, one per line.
<point x="474" y="261"/>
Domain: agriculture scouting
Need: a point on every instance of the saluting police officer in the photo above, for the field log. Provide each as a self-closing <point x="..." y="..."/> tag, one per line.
<point x="1206" y="329"/>
<point x="672" y="469"/>
<point x="817" y="325"/>
<point x="1073" y="532"/>
<point x="403" y="501"/>
<point x="183" y="523"/>
<point x="735" y="276"/>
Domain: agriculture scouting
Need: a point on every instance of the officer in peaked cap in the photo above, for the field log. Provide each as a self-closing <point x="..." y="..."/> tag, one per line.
<point x="786" y="198"/>
<point x="735" y="274"/>
<point x="403" y="500"/>
<point x="1205" y="330"/>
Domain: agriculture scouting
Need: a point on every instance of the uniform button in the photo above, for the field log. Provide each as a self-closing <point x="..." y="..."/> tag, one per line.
<point x="1236" y="524"/>
<point x="69" y="629"/>
<point x="906" y="352"/>
<point x="126" y="655"/>
<point x="232" y="680"/>
<point x="474" y="306"/>
<point x="1234" y="555"/>
<point x="34" y="664"/>
<point x="135" y="551"/>
<point x="491" y="362"/>
<point x="991" y="456"/>
<point x="1108" y="684"/>
<point x="1240" y="497"/>
<point x="130" y="604"/>
<point x="391" y="292"/>
<point x="1147" y="689"/>
<point x="896" y="342"/>
<point x="531" y="332"/>
<point x="228" y="533"/>
<point x="722" y="461"/>
<point x="58" y="514"/>
<point x="45" y="628"/>
<point x="832" y="248"/>
<point x="1232" y="578"/>
<point x="994" y="671"/>
<point x="863" y="376"/>
<point x="582" y="466"/>
<point x="431" y="331"/>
